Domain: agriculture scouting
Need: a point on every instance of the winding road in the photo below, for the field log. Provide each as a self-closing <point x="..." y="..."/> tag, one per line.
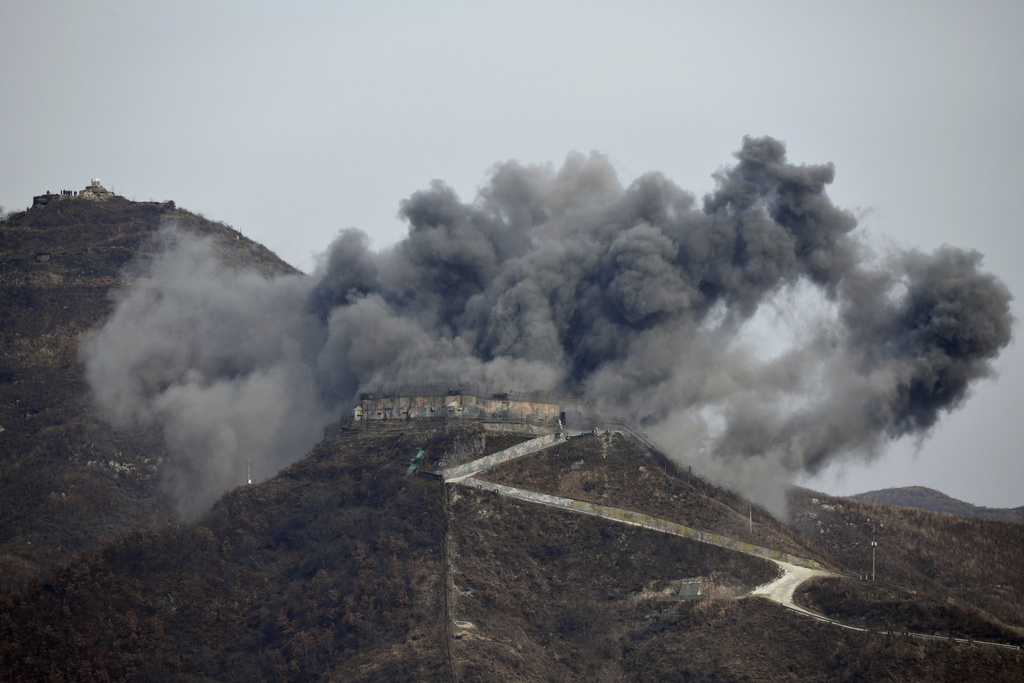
<point x="780" y="591"/>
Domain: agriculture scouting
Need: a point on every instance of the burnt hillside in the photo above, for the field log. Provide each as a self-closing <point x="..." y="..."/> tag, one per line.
<point x="931" y="555"/>
<point x="66" y="479"/>
<point x="344" y="567"/>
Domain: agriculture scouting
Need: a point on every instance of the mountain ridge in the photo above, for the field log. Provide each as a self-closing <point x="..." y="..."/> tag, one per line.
<point x="343" y="566"/>
<point x="924" y="498"/>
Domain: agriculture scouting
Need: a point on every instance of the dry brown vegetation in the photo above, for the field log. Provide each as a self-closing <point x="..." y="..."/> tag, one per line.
<point x="336" y="559"/>
<point x="495" y="442"/>
<point x="67" y="480"/>
<point x="755" y="640"/>
<point x="342" y="568"/>
<point x="924" y="498"/>
<point x="883" y="606"/>
<point x="553" y="595"/>
<point x="611" y="469"/>
<point x="943" y="557"/>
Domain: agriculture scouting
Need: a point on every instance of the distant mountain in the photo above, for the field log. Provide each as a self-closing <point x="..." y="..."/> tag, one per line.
<point x="924" y="498"/>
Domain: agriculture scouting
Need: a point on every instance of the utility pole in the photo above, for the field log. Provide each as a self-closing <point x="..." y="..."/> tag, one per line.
<point x="874" y="544"/>
<point x="248" y="471"/>
<point x="750" y="512"/>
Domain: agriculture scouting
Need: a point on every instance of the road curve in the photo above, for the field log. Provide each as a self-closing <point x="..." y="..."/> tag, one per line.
<point x="781" y="590"/>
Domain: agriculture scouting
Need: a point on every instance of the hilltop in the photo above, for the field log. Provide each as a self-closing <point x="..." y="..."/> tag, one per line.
<point x="924" y="498"/>
<point x="67" y="480"/>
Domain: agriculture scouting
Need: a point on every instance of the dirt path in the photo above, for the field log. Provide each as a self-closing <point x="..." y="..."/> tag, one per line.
<point x="781" y="590"/>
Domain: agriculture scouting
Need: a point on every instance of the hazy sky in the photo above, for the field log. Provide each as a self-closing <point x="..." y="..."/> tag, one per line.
<point x="292" y="121"/>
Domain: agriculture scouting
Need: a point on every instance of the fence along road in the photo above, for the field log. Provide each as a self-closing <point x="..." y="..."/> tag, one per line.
<point x="641" y="520"/>
<point x="462" y="474"/>
<point x="795" y="570"/>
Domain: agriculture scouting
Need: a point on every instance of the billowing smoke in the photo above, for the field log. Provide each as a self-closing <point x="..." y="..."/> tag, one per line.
<point x="640" y="298"/>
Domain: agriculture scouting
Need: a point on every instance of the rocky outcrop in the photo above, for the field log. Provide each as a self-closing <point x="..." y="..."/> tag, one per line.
<point x="95" y="191"/>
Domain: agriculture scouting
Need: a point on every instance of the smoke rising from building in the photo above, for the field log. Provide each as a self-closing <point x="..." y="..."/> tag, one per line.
<point x="639" y="297"/>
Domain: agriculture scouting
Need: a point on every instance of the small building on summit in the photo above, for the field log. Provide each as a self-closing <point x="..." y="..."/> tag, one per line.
<point x="96" y="191"/>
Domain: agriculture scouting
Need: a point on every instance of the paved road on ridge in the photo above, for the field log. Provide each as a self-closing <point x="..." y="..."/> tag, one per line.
<point x="781" y="590"/>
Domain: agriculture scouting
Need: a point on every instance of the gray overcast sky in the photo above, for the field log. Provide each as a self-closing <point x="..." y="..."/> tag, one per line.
<point x="290" y="121"/>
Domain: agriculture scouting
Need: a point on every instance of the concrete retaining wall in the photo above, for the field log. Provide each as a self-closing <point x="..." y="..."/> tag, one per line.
<point x="517" y="451"/>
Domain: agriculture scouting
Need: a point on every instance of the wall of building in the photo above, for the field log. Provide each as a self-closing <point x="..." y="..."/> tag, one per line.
<point x="372" y="407"/>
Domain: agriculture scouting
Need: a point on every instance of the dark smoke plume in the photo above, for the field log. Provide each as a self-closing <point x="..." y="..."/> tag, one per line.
<point x="641" y="299"/>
